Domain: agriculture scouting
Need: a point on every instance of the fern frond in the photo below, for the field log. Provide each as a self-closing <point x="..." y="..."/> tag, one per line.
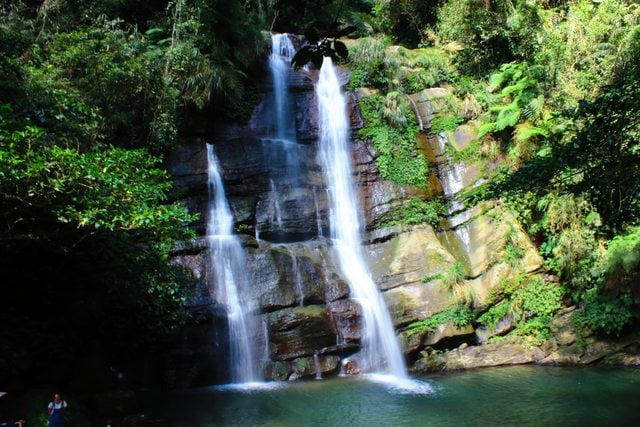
<point x="508" y="116"/>
<point x="527" y="131"/>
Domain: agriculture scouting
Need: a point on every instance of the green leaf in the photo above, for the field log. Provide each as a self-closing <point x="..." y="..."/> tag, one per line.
<point x="528" y="131"/>
<point x="486" y="128"/>
<point x="508" y="116"/>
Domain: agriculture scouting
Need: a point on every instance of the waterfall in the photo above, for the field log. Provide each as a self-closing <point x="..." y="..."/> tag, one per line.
<point x="282" y="52"/>
<point x="380" y="347"/>
<point x="280" y="143"/>
<point x="227" y="265"/>
<point x="277" y="213"/>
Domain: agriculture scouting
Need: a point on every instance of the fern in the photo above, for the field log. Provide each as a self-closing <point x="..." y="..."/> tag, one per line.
<point x="527" y="131"/>
<point x="486" y="128"/>
<point x="508" y="116"/>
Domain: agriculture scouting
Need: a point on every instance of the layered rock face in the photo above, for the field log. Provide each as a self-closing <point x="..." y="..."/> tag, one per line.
<point x="310" y="323"/>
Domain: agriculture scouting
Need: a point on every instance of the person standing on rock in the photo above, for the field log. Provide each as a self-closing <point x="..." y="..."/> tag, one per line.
<point x="56" y="410"/>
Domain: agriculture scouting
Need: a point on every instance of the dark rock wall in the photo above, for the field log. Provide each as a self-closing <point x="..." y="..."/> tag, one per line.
<point x="302" y="299"/>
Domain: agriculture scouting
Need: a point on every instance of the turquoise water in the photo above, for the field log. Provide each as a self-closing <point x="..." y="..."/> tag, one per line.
<point x="511" y="396"/>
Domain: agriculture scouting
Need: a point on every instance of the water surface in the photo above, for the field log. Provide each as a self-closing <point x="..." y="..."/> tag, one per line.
<point x="510" y="396"/>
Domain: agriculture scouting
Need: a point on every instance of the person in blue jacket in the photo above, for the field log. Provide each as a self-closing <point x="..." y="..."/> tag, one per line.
<point x="56" y="410"/>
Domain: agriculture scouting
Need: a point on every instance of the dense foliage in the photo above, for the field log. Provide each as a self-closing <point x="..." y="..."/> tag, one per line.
<point x="552" y="88"/>
<point x="91" y="95"/>
<point x="565" y="115"/>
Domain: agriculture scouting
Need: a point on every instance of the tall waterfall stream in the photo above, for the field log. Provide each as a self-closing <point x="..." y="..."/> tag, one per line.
<point x="380" y="350"/>
<point x="227" y="263"/>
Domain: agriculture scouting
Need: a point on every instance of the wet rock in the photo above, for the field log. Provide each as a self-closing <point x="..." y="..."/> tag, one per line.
<point x="407" y="258"/>
<point x="307" y="367"/>
<point x="345" y="318"/>
<point x="502" y="327"/>
<point x="293" y="274"/>
<point x="302" y="367"/>
<point x="270" y="286"/>
<point x="508" y="352"/>
<point x="299" y="331"/>
<point x="447" y="333"/>
<point x="417" y="301"/>
<point x="428" y="102"/>
<point x="411" y="340"/>
<point x="463" y="136"/>
<point x="352" y="365"/>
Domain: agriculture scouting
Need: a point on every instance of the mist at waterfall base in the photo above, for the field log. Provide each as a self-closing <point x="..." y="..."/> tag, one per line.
<point x="509" y="396"/>
<point x="380" y="350"/>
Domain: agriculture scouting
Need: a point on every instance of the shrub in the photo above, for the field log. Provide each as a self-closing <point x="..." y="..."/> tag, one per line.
<point x="460" y="315"/>
<point x="539" y="299"/>
<point x="495" y="314"/>
<point x="604" y="313"/>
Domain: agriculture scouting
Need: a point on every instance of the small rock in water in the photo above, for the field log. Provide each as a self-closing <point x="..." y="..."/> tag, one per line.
<point x="351" y="365"/>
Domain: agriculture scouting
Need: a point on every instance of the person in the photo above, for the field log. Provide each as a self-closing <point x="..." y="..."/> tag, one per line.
<point x="56" y="410"/>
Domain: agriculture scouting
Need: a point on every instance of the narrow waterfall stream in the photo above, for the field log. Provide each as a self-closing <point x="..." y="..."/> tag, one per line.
<point x="280" y="139"/>
<point x="380" y="349"/>
<point x="227" y="265"/>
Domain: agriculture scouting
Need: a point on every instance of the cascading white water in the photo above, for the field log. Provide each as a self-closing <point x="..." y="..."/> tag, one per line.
<point x="318" y="217"/>
<point x="227" y="267"/>
<point x="280" y="143"/>
<point x="282" y="52"/>
<point x="277" y="213"/>
<point x="380" y="347"/>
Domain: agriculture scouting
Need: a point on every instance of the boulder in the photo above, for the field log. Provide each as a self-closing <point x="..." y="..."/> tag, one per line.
<point x="307" y="366"/>
<point x="447" y="333"/>
<point x="513" y="351"/>
<point x="503" y="326"/>
<point x="407" y="258"/>
<point x="302" y="367"/>
<point x="345" y="317"/>
<point x="410" y="303"/>
<point x="443" y="336"/>
<point x="298" y="331"/>
<point x="482" y="286"/>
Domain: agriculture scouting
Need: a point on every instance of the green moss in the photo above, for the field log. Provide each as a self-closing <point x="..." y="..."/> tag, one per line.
<point x="416" y="211"/>
<point x="390" y="125"/>
<point x="301" y="364"/>
<point x="280" y="369"/>
<point x="430" y="277"/>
